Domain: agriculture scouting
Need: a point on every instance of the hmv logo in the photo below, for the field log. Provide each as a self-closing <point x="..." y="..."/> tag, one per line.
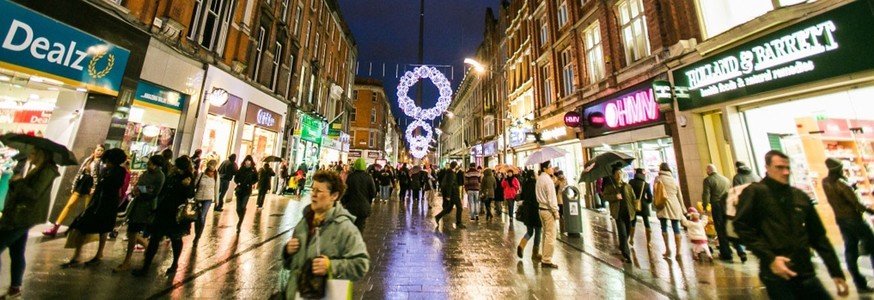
<point x="265" y="118"/>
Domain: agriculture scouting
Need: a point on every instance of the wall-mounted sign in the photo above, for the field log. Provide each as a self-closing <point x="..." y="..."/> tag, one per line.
<point x="231" y="109"/>
<point x="157" y="97"/>
<point x="490" y="148"/>
<point x="831" y="44"/>
<point x="632" y="108"/>
<point x="518" y="136"/>
<point x="572" y="119"/>
<point x="345" y="139"/>
<point x="311" y="128"/>
<point x="217" y="97"/>
<point x="262" y="117"/>
<point x="553" y="133"/>
<point x="476" y="150"/>
<point x="354" y="153"/>
<point x="373" y="154"/>
<point x="33" y="42"/>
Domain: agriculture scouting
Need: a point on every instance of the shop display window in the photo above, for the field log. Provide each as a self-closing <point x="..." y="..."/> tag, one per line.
<point x="217" y="137"/>
<point x="146" y="140"/>
<point x="38" y="106"/>
<point x="648" y="156"/>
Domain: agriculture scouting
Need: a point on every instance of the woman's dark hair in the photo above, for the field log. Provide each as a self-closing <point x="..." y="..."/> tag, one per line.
<point x="157" y="160"/>
<point x="184" y="165"/>
<point x="115" y="156"/>
<point x="197" y="153"/>
<point x="544" y="166"/>
<point x="665" y="167"/>
<point x="335" y="183"/>
<point x="528" y="175"/>
<point x="248" y="158"/>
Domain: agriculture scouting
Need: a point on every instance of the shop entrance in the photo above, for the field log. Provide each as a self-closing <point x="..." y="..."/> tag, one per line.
<point x="648" y="155"/>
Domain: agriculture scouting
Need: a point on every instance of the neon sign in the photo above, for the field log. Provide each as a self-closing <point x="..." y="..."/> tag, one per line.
<point x="634" y="108"/>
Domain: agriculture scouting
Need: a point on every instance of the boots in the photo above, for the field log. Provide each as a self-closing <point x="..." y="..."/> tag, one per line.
<point x="52" y="231"/>
<point x="678" y="239"/>
<point x="536" y="253"/>
<point x="667" y="245"/>
<point x="631" y="236"/>
<point x="521" y="248"/>
<point x="649" y="238"/>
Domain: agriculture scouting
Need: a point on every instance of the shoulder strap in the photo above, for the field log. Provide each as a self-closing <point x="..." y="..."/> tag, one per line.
<point x="640" y="195"/>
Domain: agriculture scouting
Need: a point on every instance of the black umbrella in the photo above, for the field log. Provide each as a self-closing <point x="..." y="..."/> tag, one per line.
<point x="26" y="143"/>
<point x="271" y="159"/>
<point x="601" y="166"/>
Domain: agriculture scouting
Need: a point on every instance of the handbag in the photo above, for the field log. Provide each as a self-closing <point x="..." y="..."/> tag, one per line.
<point x="310" y="286"/>
<point x="660" y="195"/>
<point x="188" y="212"/>
<point x="637" y="205"/>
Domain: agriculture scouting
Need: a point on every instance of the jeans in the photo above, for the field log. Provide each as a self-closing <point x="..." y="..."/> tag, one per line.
<point x="799" y="287"/>
<point x="280" y="187"/>
<point x="16" y="240"/>
<point x="201" y="218"/>
<point x="403" y="193"/>
<point x="242" y="202"/>
<point x="262" y="193"/>
<point x="855" y="231"/>
<point x="725" y="242"/>
<point x="450" y="199"/>
<point x="417" y="194"/>
<point x="384" y="192"/>
<point x="223" y="189"/>
<point x="498" y="204"/>
<point x="473" y="203"/>
<point x="511" y="206"/>
<point x="487" y="206"/>
<point x="623" y="225"/>
<point x="533" y="231"/>
<point x="674" y="223"/>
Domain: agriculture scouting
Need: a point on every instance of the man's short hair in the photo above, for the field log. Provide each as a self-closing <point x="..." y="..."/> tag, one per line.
<point x="770" y="156"/>
<point x="453" y="164"/>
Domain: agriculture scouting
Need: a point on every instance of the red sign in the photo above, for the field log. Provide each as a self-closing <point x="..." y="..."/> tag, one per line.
<point x="572" y="119"/>
<point x="635" y="107"/>
<point x="32" y="116"/>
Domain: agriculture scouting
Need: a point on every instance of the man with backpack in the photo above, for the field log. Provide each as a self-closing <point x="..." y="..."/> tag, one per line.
<point x="715" y="194"/>
<point x="226" y="173"/>
<point x="451" y="196"/>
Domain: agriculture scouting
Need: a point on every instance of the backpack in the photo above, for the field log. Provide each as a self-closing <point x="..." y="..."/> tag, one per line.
<point x="731" y="208"/>
<point x="660" y="195"/>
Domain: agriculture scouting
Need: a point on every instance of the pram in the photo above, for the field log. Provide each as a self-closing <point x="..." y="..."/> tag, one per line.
<point x="121" y="215"/>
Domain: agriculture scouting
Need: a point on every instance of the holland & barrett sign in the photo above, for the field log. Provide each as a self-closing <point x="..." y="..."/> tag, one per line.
<point x="831" y="44"/>
<point x="33" y="43"/>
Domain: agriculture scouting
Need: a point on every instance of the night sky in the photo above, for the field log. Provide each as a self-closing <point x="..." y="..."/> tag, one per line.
<point x="387" y="32"/>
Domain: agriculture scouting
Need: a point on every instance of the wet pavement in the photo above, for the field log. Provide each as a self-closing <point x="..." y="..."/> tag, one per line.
<point x="409" y="260"/>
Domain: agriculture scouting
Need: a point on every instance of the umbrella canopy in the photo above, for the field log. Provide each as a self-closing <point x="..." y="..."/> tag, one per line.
<point x="26" y="143"/>
<point x="271" y="159"/>
<point x="543" y="155"/>
<point x="601" y="165"/>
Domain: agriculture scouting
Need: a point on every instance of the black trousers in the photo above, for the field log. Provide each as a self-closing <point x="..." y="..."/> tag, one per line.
<point x="450" y="199"/>
<point x="800" y="287"/>
<point x="725" y="242"/>
<point x="854" y="231"/>
<point x="403" y="192"/>
<point x="417" y="194"/>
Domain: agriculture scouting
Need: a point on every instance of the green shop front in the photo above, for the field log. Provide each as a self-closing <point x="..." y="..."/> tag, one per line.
<point x="308" y="135"/>
<point x="806" y="89"/>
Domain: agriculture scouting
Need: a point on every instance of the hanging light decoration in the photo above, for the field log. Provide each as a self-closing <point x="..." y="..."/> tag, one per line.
<point x="409" y="106"/>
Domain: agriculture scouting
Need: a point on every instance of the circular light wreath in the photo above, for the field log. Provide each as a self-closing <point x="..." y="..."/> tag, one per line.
<point x="419" y="147"/>
<point x="409" y="106"/>
<point x="411" y="129"/>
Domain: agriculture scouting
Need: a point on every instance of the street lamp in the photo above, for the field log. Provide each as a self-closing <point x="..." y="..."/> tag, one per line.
<point x="475" y="64"/>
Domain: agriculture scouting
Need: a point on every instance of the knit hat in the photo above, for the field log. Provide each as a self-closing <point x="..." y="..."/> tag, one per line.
<point x="359" y="165"/>
<point x="833" y="164"/>
<point x="692" y="210"/>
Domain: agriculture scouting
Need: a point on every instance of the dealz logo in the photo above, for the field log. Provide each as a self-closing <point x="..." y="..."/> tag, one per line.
<point x="92" y="66"/>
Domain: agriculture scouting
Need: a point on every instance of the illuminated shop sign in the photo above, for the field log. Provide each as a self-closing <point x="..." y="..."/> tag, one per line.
<point x="633" y="108"/>
<point x="262" y="117"/>
<point x="572" y="119"/>
<point x="154" y="96"/>
<point x="832" y="44"/>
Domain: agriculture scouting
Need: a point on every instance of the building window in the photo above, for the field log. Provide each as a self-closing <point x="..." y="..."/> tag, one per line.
<point x="373" y="116"/>
<point x="284" y="12"/>
<point x="277" y="63"/>
<point x="291" y="62"/>
<point x="562" y="14"/>
<point x="547" y="85"/>
<point x="719" y="16"/>
<point x="373" y="97"/>
<point x="259" y="51"/>
<point x="567" y="71"/>
<point x="594" y="54"/>
<point x="354" y="95"/>
<point x="210" y="22"/>
<point x="297" y="16"/>
<point x="306" y="42"/>
<point x="633" y="24"/>
<point x="353" y="114"/>
<point x="371" y="141"/>
<point x="316" y="52"/>
<point x="544" y="31"/>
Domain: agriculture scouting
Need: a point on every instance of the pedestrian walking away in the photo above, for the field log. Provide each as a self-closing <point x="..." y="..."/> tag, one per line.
<point x="643" y="196"/>
<point x="848" y="213"/>
<point x="713" y="199"/>
<point x="548" y="208"/>
<point x="310" y="251"/>
<point x="246" y="177"/>
<point x="265" y="176"/>
<point x="403" y="181"/>
<point x="360" y="193"/>
<point x="226" y="172"/>
<point x="668" y="201"/>
<point x="451" y="196"/>
<point x="27" y="204"/>
<point x="499" y="193"/>
<point x="145" y="193"/>
<point x="530" y="215"/>
<point x="487" y="192"/>
<point x="744" y="175"/>
<point x="471" y="185"/>
<point x="780" y="225"/>
<point x="283" y="177"/>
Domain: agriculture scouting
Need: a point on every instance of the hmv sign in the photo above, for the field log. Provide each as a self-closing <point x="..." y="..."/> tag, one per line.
<point x="633" y="108"/>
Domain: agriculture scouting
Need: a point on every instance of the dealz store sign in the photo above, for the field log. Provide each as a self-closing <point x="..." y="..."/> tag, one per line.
<point x="832" y="44"/>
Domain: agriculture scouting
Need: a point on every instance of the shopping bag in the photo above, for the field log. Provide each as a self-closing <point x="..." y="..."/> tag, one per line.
<point x="335" y="289"/>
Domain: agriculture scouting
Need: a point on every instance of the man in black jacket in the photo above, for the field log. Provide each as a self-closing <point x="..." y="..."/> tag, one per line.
<point x="779" y="224"/>
<point x="359" y="194"/>
<point x="226" y="173"/>
<point x="451" y="196"/>
<point x="848" y="213"/>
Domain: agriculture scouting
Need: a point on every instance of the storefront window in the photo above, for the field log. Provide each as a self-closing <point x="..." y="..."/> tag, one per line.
<point x="38" y="106"/>
<point x="648" y="156"/>
<point x="152" y="122"/>
<point x="217" y="136"/>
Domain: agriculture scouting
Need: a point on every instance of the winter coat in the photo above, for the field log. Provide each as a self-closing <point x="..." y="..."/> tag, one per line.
<point x="448" y="182"/>
<point x="715" y="190"/>
<point x="472" y="180"/>
<point x="775" y="219"/>
<point x="673" y="209"/>
<point x="385" y="178"/>
<point x="206" y="187"/>
<point x="417" y="180"/>
<point x="27" y="203"/>
<point x="264" y="178"/>
<point x="174" y="194"/>
<point x="487" y="185"/>
<point x="499" y="189"/>
<point x="99" y="216"/>
<point x="695" y="229"/>
<point x="339" y="240"/>
<point x="638" y="185"/>
<point x="560" y="184"/>
<point x="94" y="165"/>
<point x="530" y="208"/>
<point x="149" y="185"/>
<point x="245" y="179"/>
<point x="843" y="199"/>
<point x="459" y="177"/>
<point x="744" y="175"/>
<point x="227" y="170"/>
<point x="511" y="187"/>
<point x="617" y="205"/>
<point x="360" y="192"/>
<point x="404" y="177"/>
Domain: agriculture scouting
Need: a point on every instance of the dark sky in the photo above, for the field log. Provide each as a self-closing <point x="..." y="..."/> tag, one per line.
<point x="387" y="32"/>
